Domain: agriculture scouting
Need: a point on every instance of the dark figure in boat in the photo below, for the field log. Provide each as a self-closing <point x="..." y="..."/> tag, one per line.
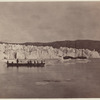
<point x="29" y="63"/>
<point x="17" y="61"/>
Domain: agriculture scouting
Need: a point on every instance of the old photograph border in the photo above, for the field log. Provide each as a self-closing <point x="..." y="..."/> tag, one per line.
<point x="50" y="1"/>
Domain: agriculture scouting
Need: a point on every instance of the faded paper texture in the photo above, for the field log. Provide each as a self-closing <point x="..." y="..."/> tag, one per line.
<point x="49" y="49"/>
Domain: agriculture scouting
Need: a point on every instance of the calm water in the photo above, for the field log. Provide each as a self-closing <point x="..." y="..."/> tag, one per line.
<point x="55" y="80"/>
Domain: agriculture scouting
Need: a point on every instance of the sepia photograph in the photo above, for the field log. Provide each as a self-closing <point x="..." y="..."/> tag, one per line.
<point x="50" y="49"/>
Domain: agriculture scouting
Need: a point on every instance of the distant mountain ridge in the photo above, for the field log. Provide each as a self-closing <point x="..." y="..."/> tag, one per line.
<point x="79" y="44"/>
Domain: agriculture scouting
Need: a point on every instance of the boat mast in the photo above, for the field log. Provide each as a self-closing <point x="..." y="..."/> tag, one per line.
<point x="75" y="48"/>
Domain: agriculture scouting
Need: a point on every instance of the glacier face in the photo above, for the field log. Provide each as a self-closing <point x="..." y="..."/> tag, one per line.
<point x="13" y="51"/>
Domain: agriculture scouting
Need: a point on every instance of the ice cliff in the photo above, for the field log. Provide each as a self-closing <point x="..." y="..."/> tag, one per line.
<point x="12" y="51"/>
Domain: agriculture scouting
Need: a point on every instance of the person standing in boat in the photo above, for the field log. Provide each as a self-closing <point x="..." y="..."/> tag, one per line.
<point x="42" y="61"/>
<point x="17" y="61"/>
<point x="7" y="61"/>
<point x="30" y="62"/>
<point x="34" y="62"/>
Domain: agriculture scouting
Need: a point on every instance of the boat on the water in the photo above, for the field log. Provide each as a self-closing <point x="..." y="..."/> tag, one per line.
<point x="68" y="57"/>
<point x="81" y="57"/>
<point x="28" y="64"/>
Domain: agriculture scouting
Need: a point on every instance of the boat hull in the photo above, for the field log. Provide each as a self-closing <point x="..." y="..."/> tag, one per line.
<point x="26" y="64"/>
<point x="68" y="57"/>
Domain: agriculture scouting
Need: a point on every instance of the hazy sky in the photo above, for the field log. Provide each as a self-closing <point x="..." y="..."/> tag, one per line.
<point x="51" y="21"/>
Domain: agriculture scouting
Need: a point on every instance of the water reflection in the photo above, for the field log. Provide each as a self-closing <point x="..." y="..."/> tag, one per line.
<point x="57" y="80"/>
<point x="25" y="69"/>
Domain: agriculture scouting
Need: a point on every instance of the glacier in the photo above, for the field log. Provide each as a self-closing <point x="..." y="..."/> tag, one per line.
<point x="13" y="51"/>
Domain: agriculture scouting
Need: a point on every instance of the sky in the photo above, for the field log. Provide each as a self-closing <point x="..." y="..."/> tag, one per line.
<point x="49" y="21"/>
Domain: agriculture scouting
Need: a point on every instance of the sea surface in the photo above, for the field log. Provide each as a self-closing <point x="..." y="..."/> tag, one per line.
<point x="56" y="80"/>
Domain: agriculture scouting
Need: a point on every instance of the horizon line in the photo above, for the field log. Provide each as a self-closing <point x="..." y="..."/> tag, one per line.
<point x="48" y="41"/>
